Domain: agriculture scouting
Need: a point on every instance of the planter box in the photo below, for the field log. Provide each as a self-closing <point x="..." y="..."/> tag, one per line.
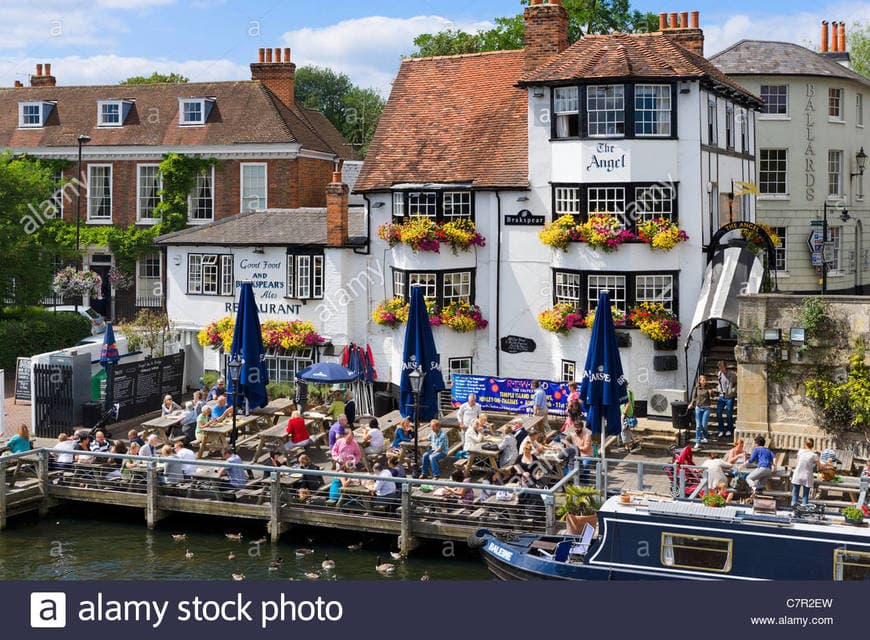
<point x="668" y="345"/>
<point x="623" y="339"/>
<point x="576" y="524"/>
<point x="665" y="363"/>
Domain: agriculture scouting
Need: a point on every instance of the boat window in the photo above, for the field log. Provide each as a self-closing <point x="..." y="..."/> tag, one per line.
<point x="696" y="552"/>
<point x="851" y="565"/>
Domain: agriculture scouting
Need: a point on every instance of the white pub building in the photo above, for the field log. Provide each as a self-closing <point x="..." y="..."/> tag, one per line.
<point x="477" y="155"/>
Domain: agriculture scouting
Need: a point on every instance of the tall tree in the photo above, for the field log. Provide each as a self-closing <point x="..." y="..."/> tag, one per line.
<point x="584" y="16"/>
<point x="26" y="263"/>
<point x="859" y="48"/>
<point x="156" y="77"/>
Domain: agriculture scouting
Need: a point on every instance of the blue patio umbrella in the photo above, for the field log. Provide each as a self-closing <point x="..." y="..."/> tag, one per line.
<point x="420" y="352"/>
<point x="108" y="356"/>
<point x="248" y="347"/>
<point x="327" y="373"/>
<point x="603" y="388"/>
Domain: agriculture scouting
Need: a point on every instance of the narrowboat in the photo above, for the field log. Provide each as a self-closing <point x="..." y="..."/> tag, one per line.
<point x="653" y="537"/>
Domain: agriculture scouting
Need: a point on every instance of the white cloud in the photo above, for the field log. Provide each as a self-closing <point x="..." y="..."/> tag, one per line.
<point x="111" y="69"/>
<point x="367" y="49"/>
<point x="802" y="28"/>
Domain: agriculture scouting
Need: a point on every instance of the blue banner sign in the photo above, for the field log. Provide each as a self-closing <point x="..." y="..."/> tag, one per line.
<point x="513" y="395"/>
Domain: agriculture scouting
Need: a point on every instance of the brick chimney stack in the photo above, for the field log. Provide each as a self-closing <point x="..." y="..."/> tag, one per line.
<point x="686" y="31"/>
<point x="546" y="32"/>
<point x="337" y="193"/>
<point x="279" y="76"/>
<point x="41" y="79"/>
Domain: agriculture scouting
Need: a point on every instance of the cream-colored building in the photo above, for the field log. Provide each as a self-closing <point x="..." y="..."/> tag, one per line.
<point x="810" y="138"/>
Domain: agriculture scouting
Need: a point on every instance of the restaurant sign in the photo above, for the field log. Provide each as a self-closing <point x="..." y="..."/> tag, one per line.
<point x="512" y="395"/>
<point x="524" y="218"/>
<point x="605" y="160"/>
<point x="268" y="277"/>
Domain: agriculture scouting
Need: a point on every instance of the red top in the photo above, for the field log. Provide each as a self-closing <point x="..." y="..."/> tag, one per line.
<point x="685" y="457"/>
<point x="296" y="429"/>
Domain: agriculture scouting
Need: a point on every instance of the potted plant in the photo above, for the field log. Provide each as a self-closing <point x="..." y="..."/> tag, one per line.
<point x="713" y="500"/>
<point x="580" y="507"/>
<point x="853" y="515"/>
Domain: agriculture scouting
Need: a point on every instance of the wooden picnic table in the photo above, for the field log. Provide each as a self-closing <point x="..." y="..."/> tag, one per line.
<point x="163" y="425"/>
<point x="847" y="486"/>
<point x="273" y="436"/>
<point x="274" y="410"/>
<point x="214" y="438"/>
<point x="478" y="457"/>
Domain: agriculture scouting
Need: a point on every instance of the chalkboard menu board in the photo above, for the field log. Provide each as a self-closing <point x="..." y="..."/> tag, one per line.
<point x="517" y="344"/>
<point x="22" y="379"/>
<point x="139" y="387"/>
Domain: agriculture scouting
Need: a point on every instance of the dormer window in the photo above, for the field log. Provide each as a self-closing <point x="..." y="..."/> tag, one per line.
<point x="33" y="115"/>
<point x="193" y="111"/>
<point x="112" y="113"/>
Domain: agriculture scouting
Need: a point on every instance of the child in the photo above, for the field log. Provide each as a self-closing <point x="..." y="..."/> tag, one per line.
<point x="629" y="422"/>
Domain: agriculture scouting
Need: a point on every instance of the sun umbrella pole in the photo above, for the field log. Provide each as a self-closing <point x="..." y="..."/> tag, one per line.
<point x="603" y="468"/>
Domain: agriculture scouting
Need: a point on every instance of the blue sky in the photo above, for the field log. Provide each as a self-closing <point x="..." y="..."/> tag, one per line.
<point x="104" y="41"/>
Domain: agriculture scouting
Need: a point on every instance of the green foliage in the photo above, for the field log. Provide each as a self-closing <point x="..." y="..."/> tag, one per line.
<point x="354" y="111"/>
<point x="843" y="406"/>
<point x="580" y="500"/>
<point x="178" y="174"/>
<point x="149" y="332"/>
<point x="852" y="513"/>
<point x="584" y="16"/>
<point x="171" y="78"/>
<point x="713" y="500"/>
<point x="26" y="332"/>
<point x="814" y="316"/>
<point x="26" y="185"/>
<point x="279" y="390"/>
<point x="859" y="48"/>
<point x="209" y="378"/>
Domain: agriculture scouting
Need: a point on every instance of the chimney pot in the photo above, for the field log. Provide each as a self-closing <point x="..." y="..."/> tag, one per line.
<point x="39" y="69"/>
<point x="287" y="54"/>
<point x="841" y="45"/>
<point x="684" y="20"/>
<point x="672" y="23"/>
<point x="663" y="21"/>
<point x="824" y="45"/>
<point x="537" y="2"/>
<point x="268" y="55"/>
<point x="557" y="2"/>
<point x="261" y="55"/>
<point x="833" y="40"/>
<point x="48" y="68"/>
<point x="18" y="84"/>
<point x="277" y="54"/>
<point x="336" y="177"/>
<point x="693" y="20"/>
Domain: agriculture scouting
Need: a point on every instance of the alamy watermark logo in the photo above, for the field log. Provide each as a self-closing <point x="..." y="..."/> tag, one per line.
<point x="47" y="610"/>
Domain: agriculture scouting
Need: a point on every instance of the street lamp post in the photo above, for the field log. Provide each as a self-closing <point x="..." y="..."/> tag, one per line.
<point x="416" y="378"/>
<point x="82" y="139"/>
<point x="234" y="366"/>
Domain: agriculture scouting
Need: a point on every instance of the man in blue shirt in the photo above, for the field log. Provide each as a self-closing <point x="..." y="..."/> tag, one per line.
<point x="539" y="400"/>
<point x="236" y="477"/>
<point x="337" y="429"/>
<point x="221" y="411"/>
<point x="438" y="447"/>
<point x="763" y="457"/>
<point x="219" y="389"/>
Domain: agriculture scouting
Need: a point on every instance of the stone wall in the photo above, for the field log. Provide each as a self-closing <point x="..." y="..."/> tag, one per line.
<point x="770" y="379"/>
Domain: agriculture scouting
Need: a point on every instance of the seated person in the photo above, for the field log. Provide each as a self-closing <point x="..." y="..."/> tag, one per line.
<point x="83" y="444"/>
<point x="188" y="459"/>
<point x="203" y="421"/>
<point x="485" y="425"/>
<point x="464" y="494"/>
<point x="198" y="402"/>
<point x="336" y="409"/>
<point x="346" y="450"/>
<point x="187" y="428"/>
<point x="235" y="477"/>
<point x="473" y="437"/>
<point x="127" y="465"/>
<point x="496" y="479"/>
<point x="337" y="428"/>
<point x="64" y="460"/>
<point x="397" y="470"/>
<point x="373" y="440"/>
<point x="338" y="483"/>
<point x="722" y="490"/>
<point x="20" y="442"/>
<point x="299" y="436"/>
<point x="133" y="436"/>
<point x="404" y="433"/>
<point x="527" y="462"/>
<point x="100" y="443"/>
<point x="169" y="406"/>
<point x="438" y="447"/>
<point x="311" y="482"/>
<point x="218" y="390"/>
<point x="221" y="411"/>
<point x="151" y="447"/>
<point x="385" y="491"/>
<point x="508" y="449"/>
<point x="171" y="469"/>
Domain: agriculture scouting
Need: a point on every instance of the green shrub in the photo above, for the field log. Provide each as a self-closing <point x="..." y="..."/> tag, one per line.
<point x="279" y="390"/>
<point x="209" y="378"/>
<point x="27" y="332"/>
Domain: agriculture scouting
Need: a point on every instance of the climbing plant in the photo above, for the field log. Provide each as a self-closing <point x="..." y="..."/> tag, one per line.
<point x="843" y="405"/>
<point x="815" y="316"/>
<point x="178" y="174"/>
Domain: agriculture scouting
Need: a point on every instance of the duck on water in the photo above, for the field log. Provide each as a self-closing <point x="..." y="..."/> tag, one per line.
<point x="686" y="540"/>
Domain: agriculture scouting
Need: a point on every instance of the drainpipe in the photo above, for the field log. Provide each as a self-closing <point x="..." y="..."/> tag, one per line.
<point x="498" y="287"/>
<point x="368" y="247"/>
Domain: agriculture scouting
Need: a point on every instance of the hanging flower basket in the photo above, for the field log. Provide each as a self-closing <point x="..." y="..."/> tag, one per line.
<point x="656" y="322"/>
<point x="424" y="234"/>
<point x="661" y="234"/>
<point x="289" y="336"/>
<point x="754" y="241"/>
<point x="120" y="280"/>
<point x="70" y="282"/>
<point x="560" y="319"/>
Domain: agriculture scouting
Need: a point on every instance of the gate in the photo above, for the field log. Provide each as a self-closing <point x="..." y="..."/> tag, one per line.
<point x="54" y="408"/>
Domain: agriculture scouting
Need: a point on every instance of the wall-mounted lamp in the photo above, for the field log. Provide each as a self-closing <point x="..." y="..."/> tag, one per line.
<point x="176" y="260"/>
<point x="860" y="162"/>
<point x="684" y="87"/>
<point x="772" y="336"/>
<point x="523" y="199"/>
<point x="797" y="336"/>
<point x="378" y="205"/>
<point x="538" y="92"/>
<point x="259" y="250"/>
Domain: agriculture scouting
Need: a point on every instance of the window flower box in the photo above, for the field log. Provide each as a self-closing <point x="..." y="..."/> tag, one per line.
<point x="424" y="234"/>
<point x="390" y="313"/>
<point x="560" y="319"/>
<point x="657" y="323"/>
<point x="660" y="234"/>
<point x="289" y="336"/>
<point x="462" y="317"/>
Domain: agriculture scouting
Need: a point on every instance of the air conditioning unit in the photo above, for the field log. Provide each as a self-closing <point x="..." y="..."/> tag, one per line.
<point x="659" y="403"/>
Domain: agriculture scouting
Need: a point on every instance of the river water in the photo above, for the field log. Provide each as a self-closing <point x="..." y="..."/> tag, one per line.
<point x="86" y="546"/>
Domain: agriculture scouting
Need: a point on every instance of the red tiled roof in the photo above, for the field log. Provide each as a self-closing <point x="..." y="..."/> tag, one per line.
<point x="453" y="119"/>
<point x="619" y="55"/>
<point x="244" y="112"/>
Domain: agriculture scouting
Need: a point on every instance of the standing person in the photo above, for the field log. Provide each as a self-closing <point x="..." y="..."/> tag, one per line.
<point x="702" y="403"/>
<point x="763" y="457"/>
<point x="468" y="412"/>
<point x="20" y="442"/>
<point x="629" y="422"/>
<point x="573" y="394"/>
<point x="300" y="396"/>
<point x="716" y="470"/>
<point x="802" y="476"/>
<point x="299" y="436"/>
<point x="350" y="409"/>
<point x="336" y="409"/>
<point x="438" y="447"/>
<point x="727" y="395"/>
<point x="539" y="399"/>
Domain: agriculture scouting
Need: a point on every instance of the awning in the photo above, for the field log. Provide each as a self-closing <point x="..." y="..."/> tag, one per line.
<point x="733" y="271"/>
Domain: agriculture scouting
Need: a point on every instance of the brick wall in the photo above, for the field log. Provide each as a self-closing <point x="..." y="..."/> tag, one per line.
<point x="311" y="177"/>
